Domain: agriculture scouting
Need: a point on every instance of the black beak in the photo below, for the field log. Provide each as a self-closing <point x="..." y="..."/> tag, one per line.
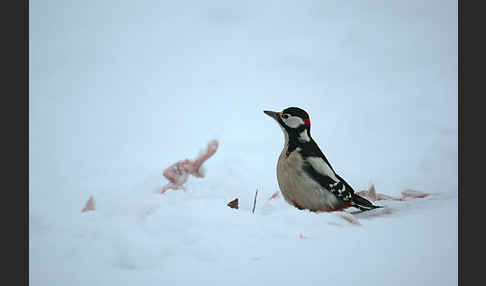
<point x="272" y="114"/>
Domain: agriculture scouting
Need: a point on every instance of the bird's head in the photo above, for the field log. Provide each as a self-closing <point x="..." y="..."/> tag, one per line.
<point x="292" y="120"/>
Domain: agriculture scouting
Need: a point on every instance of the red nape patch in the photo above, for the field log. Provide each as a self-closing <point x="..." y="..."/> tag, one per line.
<point x="307" y="122"/>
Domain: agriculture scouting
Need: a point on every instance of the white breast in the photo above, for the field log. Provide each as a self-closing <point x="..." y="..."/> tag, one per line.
<point x="297" y="187"/>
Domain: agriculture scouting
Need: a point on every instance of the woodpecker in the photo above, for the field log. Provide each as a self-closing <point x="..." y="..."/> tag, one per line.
<point x="305" y="176"/>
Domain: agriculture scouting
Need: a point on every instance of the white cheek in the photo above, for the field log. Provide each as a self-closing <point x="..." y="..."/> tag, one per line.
<point x="293" y="121"/>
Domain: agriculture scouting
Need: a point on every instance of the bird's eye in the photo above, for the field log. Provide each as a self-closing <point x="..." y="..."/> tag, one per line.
<point x="285" y="116"/>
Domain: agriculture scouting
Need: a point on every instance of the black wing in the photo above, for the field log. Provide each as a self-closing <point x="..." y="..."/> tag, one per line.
<point x="356" y="200"/>
<point x="311" y="149"/>
<point x="337" y="186"/>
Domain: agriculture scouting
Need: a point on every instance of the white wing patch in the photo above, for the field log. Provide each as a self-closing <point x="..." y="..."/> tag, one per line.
<point x="322" y="167"/>
<point x="303" y="137"/>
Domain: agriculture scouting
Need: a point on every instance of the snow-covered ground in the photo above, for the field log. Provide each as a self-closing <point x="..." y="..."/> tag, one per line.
<point x="120" y="90"/>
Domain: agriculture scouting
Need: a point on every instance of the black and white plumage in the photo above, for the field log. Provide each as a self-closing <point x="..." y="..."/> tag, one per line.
<point x="305" y="176"/>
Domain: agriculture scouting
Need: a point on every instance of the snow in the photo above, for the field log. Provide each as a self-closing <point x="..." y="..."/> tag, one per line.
<point x="119" y="91"/>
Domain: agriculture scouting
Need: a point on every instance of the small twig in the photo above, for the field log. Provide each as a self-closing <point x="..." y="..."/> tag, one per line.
<point x="254" y="201"/>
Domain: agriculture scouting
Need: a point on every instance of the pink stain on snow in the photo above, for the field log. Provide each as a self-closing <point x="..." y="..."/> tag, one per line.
<point x="335" y="223"/>
<point x="413" y="194"/>
<point x="372" y="195"/>
<point x="275" y="195"/>
<point x="301" y="236"/>
<point x="350" y="218"/>
<point x="89" y="206"/>
<point x="381" y="197"/>
<point x="179" y="172"/>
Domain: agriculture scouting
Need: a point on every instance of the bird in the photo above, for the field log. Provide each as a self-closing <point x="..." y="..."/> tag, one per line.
<point x="305" y="177"/>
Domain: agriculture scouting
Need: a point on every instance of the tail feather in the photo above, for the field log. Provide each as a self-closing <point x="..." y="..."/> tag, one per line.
<point x="362" y="203"/>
